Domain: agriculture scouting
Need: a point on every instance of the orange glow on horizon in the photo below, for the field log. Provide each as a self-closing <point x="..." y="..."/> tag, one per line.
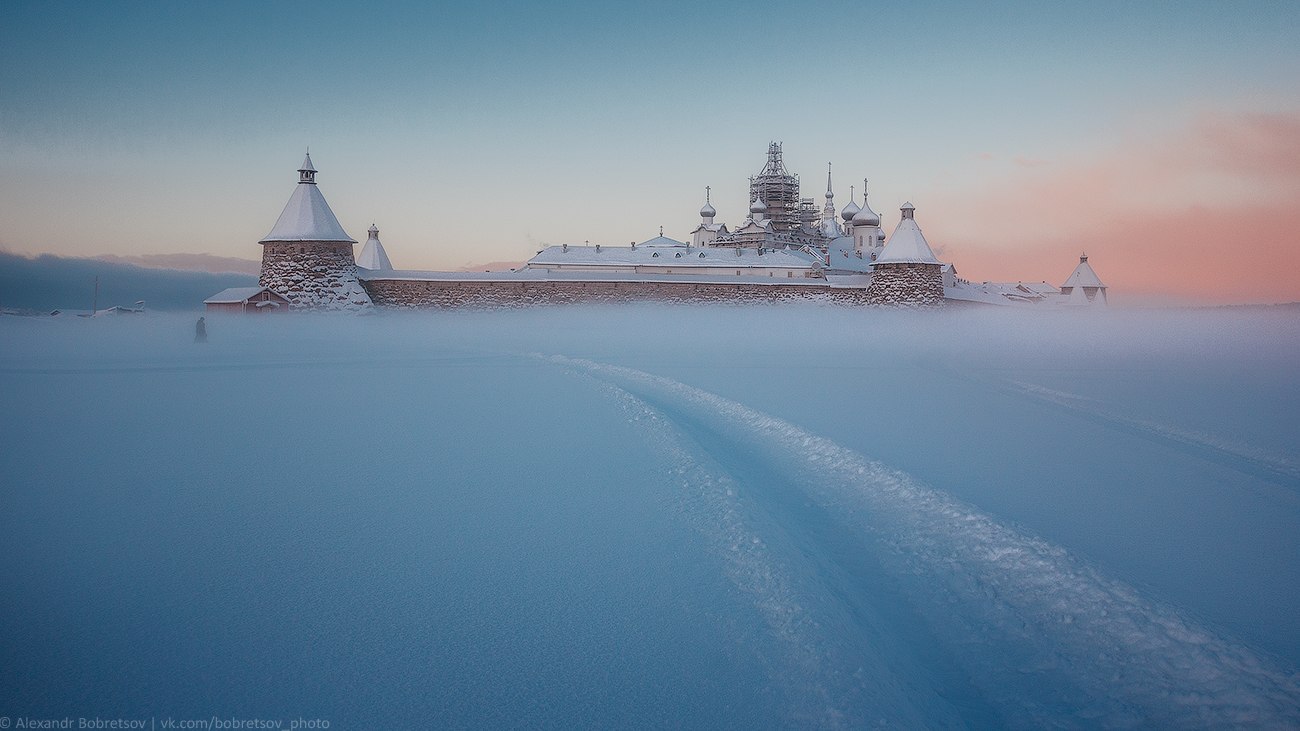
<point x="1210" y="216"/>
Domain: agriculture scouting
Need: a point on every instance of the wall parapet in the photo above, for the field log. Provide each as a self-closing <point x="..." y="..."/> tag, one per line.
<point x="452" y="293"/>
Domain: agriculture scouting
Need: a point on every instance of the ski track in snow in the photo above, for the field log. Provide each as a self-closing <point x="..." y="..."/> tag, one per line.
<point x="1240" y="456"/>
<point x="1048" y="640"/>
<point x="811" y="668"/>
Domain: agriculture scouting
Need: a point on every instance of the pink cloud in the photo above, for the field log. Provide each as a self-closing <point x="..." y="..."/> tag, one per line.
<point x="1029" y="162"/>
<point x="1208" y="214"/>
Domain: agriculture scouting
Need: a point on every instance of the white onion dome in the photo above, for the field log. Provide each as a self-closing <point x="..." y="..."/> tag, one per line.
<point x="708" y="211"/>
<point x="865" y="216"/>
<point x="849" y="211"/>
<point x="758" y="206"/>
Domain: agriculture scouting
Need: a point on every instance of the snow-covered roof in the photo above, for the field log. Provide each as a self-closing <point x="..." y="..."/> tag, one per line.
<point x="750" y="225"/>
<point x="907" y="245"/>
<point x="1042" y="288"/>
<point x="661" y="241"/>
<point x="1083" y="275"/>
<point x="233" y="295"/>
<point x="307" y="217"/>
<point x="844" y="256"/>
<point x="372" y="255"/>
<point x="543" y="275"/>
<point x="643" y="255"/>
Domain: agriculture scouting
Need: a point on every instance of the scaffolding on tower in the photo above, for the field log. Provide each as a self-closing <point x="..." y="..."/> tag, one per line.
<point x="779" y="191"/>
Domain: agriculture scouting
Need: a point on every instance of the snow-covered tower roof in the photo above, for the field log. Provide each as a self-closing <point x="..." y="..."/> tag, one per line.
<point x="1083" y="275"/>
<point x="372" y="254"/>
<point x="865" y="216"/>
<point x="907" y="245"/>
<point x="307" y="217"/>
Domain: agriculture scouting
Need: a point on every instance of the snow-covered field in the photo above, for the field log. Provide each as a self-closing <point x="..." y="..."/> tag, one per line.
<point x="653" y="516"/>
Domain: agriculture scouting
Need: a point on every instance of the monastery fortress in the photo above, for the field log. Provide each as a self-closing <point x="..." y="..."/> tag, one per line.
<point x="786" y="248"/>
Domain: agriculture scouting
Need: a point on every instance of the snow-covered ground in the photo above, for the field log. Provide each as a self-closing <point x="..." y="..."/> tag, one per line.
<point x="652" y="516"/>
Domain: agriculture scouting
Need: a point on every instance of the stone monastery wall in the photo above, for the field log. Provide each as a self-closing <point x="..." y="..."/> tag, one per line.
<point x="488" y="293"/>
<point x="906" y="284"/>
<point x="316" y="275"/>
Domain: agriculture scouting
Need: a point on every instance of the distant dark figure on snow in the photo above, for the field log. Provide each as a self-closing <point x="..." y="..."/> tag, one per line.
<point x="200" y="331"/>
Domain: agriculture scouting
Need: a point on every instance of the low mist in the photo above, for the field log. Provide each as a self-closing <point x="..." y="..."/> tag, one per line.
<point x="658" y="516"/>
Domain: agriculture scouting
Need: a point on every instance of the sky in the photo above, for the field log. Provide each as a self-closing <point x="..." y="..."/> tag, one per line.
<point x="1163" y="140"/>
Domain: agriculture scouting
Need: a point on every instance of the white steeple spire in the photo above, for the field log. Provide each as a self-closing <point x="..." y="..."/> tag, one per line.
<point x="828" y="211"/>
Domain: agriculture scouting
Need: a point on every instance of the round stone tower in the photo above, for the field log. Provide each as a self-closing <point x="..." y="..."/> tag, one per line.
<point x="307" y="257"/>
<point x="906" y="272"/>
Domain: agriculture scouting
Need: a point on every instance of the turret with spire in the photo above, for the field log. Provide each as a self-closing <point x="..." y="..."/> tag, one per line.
<point x="1083" y="285"/>
<point x="372" y="255"/>
<point x="906" y="272"/>
<point x="307" y="256"/>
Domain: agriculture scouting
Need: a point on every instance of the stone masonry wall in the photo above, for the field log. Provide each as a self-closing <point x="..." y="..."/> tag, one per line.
<point x="915" y="285"/>
<point x="477" y="293"/>
<point x="313" y="275"/>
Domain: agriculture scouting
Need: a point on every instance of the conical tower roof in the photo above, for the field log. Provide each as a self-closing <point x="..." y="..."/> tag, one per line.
<point x="907" y="245"/>
<point x="1083" y="275"/>
<point x="372" y="255"/>
<point x="307" y="217"/>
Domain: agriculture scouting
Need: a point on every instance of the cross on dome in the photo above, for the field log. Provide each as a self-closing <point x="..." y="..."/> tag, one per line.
<point x="708" y="211"/>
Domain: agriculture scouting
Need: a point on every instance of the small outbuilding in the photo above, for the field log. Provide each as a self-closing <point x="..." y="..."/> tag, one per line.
<point x="246" y="299"/>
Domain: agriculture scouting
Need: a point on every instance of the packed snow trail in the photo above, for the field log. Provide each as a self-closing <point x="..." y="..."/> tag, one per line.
<point x="1241" y="457"/>
<point x="831" y="664"/>
<point x="1047" y="640"/>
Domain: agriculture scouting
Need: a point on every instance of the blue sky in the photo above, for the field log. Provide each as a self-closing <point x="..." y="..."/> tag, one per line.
<point x="476" y="132"/>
